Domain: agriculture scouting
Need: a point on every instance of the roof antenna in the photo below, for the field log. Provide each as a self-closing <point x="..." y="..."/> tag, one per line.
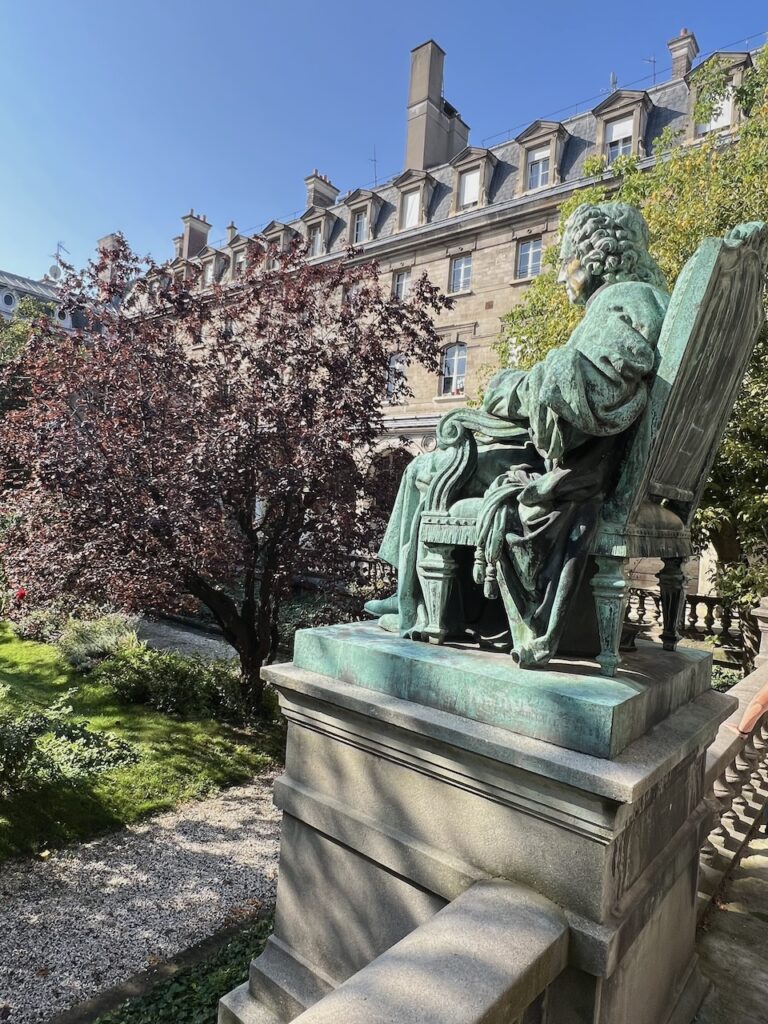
<point x="375" y="167"/>
<point x="652" y="62"/>
<point x="614" y="82"/>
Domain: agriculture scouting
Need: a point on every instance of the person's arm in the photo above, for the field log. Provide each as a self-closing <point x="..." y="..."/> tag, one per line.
<point x="506" y="396"/>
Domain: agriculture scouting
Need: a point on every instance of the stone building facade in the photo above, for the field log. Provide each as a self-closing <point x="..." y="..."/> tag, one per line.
<point x="475" y="219"/>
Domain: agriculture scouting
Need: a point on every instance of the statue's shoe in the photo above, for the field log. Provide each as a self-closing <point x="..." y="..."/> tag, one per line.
<point x="383" y="606"/>
<point x="390" y="622"/>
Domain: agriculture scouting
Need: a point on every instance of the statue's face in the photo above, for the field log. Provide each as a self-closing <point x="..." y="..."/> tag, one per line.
<point x="576" y="280"/>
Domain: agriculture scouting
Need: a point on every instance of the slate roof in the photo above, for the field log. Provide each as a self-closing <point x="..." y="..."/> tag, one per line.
<point x="45" y="290"/>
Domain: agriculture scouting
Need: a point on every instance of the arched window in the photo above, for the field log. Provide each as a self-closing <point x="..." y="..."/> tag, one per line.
<point x="454" y="369"/>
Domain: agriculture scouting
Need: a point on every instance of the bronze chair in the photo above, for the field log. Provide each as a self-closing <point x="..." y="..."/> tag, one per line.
<point x="714" y="317"/>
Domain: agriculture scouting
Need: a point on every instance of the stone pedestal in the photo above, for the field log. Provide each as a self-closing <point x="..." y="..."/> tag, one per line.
<point x="393" y="808"/>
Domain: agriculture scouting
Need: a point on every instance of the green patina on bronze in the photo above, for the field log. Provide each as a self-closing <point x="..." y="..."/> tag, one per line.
<point x="569" y="704"/>
<point x="596" y="454"/>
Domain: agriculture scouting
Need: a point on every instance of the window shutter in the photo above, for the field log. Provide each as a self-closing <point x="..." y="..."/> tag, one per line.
<point x="469" y="187"/>
<point x="615" y="131"/>
<point x="411" y="209"/>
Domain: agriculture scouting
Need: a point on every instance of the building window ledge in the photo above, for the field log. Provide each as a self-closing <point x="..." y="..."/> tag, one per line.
<point x="459" y="295"/>
<point x="449" y="398"/>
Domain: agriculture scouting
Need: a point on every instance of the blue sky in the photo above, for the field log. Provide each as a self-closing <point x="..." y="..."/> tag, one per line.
<point x="120" y="116"/>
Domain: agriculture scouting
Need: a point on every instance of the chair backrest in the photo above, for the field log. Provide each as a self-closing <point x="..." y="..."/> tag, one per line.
<point x="714" y="317"/>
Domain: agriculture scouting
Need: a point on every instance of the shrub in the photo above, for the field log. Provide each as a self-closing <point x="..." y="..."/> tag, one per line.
<point x="50" y="745"/>
<point x="86" y="642"/>
<point x="174" y="683"/>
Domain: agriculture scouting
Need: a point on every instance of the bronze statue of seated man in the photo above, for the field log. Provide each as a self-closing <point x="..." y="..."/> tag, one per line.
<point x="536" y="497"/>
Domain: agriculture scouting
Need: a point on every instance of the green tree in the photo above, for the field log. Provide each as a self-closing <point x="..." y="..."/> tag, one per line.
<point x="692" y="191"/>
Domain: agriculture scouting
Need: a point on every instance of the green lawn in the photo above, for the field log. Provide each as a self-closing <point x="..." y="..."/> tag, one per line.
<point x="180" y="760"/>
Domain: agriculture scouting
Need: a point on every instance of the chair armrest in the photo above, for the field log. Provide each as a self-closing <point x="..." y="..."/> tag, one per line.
<point x="456" y="430"/>
<point x="454" y="426"/>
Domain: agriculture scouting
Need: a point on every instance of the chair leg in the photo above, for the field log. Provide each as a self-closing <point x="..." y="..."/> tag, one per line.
<point x="672" y="582"/>
<point x="437" y="572"/>
<point x="609" y="587"/>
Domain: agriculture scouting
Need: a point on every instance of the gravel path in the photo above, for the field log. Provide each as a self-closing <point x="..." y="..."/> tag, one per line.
<point x="170" y="636"/>
<point x="93" y="915"/>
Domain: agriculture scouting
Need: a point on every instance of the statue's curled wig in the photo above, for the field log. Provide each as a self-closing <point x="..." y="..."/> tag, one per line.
<point x="610" y="241"/>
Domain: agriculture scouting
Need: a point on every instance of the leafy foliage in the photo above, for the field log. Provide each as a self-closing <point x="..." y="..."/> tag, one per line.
<point x="192" y="994"/>
<point x="178" y="759"/>
<point x="48" y="744"/>
<point x="83" y="643"/>
<point x="173" y="683"/>
<point x="689" y="193"/>
<point x="203" y="470"/>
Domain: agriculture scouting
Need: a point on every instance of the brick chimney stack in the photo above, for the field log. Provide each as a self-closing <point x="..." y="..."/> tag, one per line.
<point x="683" y="49"/>
<point x="436" y="132"/>
<point x="195" y="237"/>
<point x="320" y="191"/>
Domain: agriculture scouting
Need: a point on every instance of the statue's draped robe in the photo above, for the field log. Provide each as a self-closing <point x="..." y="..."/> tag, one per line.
<point x="541" y="497"/>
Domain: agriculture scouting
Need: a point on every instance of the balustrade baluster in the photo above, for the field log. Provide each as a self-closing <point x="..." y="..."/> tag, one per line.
<point x="727" y="620"/>
<point x="693" y="611"/>
<point x="709" y="615"/>
<point x="724" y="795"/>
<point x="641" y="617"/>
<point x="733" y="777"/>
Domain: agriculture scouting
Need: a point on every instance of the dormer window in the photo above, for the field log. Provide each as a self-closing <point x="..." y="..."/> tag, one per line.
<point x="208" y="274"/>
<point x="542" y="146"/>
<point x="723" y="119"/>
<point x="734" y="65"/>
<point x="469" y="188"/>
<point x="622" y="120"/>
<point x="318" y="224"/>
<point x="364" y="207"/>
<point x="240" y="264"/>
<point x="618" y="138"/>
<point x="415" y="188"/>
<point x="473" y="170"/>
<point x="315" y="240"/>
<point x="360" y="227"/>
<point x="409" y="209"/>
<point x="538" y="167"/>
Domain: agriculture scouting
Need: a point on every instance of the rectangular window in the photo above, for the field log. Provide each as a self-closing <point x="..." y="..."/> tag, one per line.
<point x="722" y="120"/>
<point x="395" y="376"/>
<point x="454" y="370"/>
<point x="410" y="209"/>
<point x="618" y="138"/>
<point x="469" y="189"/>
<point x="538" y="167"/>
<point x="239" y="265"/>
<point x="208" y="274"/>
<point x="461" y="273"/>
<point x="529" y="258"/>
<point x="315" y="237"/>
<point x="401" y="283"/>
<point x="360" y="229"/>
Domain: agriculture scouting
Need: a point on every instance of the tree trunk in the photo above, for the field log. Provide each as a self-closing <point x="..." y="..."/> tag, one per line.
<point x="725" y="540"/>
<point x="239" y="631"/>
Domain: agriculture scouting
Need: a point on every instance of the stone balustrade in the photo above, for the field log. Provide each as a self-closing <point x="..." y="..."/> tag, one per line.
<point x="488" y="956"/>
<point x="737" y="783"/>
<point x="705" y="615"/>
